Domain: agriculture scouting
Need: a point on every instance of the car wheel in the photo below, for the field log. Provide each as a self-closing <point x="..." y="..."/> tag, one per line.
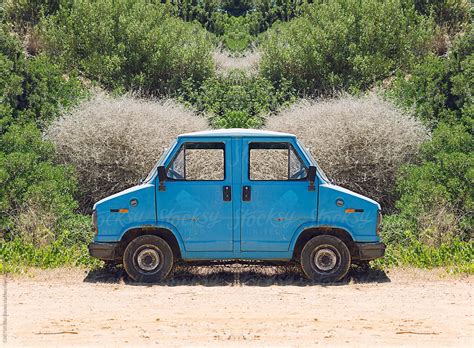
<point x="325" y="259"/>
<point x="148" y="259"/>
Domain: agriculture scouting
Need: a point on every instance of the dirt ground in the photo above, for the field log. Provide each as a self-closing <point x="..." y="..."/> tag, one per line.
<point x="258" y="306"/>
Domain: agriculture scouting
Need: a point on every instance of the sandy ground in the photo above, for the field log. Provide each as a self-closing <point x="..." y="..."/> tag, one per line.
<point x="239" y="306"/>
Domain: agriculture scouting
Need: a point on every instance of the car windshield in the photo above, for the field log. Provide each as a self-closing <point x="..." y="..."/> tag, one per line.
<point x="152" y="172"/>
<point x="318" y="168"/>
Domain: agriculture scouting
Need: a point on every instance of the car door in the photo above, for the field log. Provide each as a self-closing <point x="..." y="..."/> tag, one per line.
<point x="196" y="198"/>
<point x="276" y="198"/>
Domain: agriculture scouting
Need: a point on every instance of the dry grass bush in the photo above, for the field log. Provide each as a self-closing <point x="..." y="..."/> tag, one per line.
<point x="113" y="142"/>
<point x="225" y="62"/>
<point x="359" y="142"/>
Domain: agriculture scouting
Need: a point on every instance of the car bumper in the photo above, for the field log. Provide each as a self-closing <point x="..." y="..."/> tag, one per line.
<point x="369" y="251"/>
<point x="103" y="251"/>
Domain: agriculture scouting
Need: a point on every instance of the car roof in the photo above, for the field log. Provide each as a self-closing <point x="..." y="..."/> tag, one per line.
<point x="236" y="132"/>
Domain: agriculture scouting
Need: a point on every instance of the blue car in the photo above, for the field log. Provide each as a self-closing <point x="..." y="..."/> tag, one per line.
<point x="236" y="194"/>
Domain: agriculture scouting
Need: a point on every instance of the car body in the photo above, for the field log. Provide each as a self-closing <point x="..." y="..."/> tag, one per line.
<point x="236" y="194"/>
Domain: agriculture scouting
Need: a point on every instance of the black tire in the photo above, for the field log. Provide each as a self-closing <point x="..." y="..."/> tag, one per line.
<point x="148" y="259"/>
<point x="325" y="259"/>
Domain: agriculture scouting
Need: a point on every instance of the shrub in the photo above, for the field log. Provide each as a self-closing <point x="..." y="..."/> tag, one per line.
<point x="113" y="142"/>
<point x="439" y="89"/>
<point x="33" y="89"/>
<point x="128" y="44"/>
<point x="277" y="10"/>
<point x="456" y="255"/>
<point x="359" y="142"/>
<point x="27" y="13"/>
<point x="210" y="13"/>
<point x="436" y="196"/>
<point x="46" y="91"/>
<point x="67" y="247"/>
<point x="237" y="33"/>
<point x="237" y="98"/>
<point x="201" y="11"/>
<point x="345" y="44"/>
<point x="237" y="8"/>
<point x="451" y="14"/>
<point x="436" y="200"/>
<point x="30" y="178"/>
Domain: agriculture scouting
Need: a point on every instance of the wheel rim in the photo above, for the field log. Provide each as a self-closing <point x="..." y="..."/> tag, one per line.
<point x="326" y="259"/>
<point x="148" y="259"/>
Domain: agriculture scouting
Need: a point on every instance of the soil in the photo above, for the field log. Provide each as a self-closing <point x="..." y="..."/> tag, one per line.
<point x="212" y="306"/>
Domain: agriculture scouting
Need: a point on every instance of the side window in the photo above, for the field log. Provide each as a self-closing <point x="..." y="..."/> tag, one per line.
<point x="275" y="162"/>
<point x="198" y="161"/>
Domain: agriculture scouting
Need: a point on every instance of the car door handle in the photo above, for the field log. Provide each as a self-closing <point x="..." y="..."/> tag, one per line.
<point x="227" y="193"/>
<point x="246" y="193"/>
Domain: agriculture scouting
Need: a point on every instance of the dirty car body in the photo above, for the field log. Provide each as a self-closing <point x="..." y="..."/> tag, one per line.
<point x="236" y="195"/>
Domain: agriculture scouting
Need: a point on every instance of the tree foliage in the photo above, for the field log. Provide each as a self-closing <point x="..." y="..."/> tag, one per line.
<point x="33" y="90"/>
<point x="345" y="44"/>
<point x="125" y="44"/>
<point x="440" y="89"/>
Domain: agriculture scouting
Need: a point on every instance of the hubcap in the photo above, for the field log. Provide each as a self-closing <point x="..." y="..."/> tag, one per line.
<point x="148" y="259"/>
<point x="325" y="259"/>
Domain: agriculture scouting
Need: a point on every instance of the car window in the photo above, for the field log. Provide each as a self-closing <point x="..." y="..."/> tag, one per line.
<point x="176" y="168"/>
<point x="198" y="161"/>
<point x="275" y="162"/>
<point x="297" y="168"/>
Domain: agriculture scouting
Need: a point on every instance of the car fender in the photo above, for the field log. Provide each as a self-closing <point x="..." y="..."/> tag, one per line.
<point x="314" y="224"/>
<point x="158" y="225"/>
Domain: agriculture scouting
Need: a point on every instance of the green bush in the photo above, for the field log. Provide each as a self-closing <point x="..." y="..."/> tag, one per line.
<point x="237" y="99"/>
<point x="236" y="33"/>
<point x="69" y="247"/>
<point x="237" y="23"/>
<point x="450" y="14"/>
<point x="271" y="11"/>
<point x="34" y="89"/>
<point x="23" y="14"/>
<point x="237" y="7"/>
<point x="436" y="197"/>
<point x="265" y="11"/>
<point x="196" y="10"/>
<point x="456" y="255"/>
<point x="37" y="204"/>
<point x="127" y="44"/>
<point x="345" y="44"/>
<point x="439" y="88"/>
<point x="29" y="176"/>
<point x="434" y="223"/>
